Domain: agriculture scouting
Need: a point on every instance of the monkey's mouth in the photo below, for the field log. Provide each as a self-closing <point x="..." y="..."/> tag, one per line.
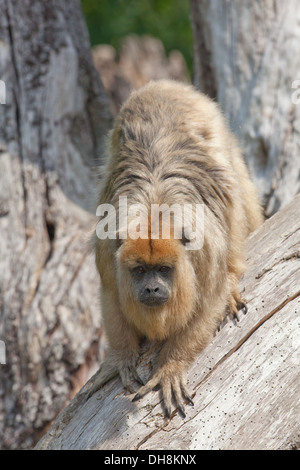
<point x="153" y="301"/>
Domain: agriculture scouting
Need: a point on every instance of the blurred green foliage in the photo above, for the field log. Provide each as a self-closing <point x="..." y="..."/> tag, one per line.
<point x="109" y="21"/>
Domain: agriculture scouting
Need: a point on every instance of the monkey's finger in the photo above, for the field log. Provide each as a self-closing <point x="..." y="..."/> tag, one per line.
<point x="136" y="376"/>
<point x="147" y="388"/>
<point x="167" y="396"/>
<point x="184" y="393"/>
<point x="187" y="395"/>
<point x="126" y="379"/>
<point x="178" y="396"/>
<point x="235" y="316"/>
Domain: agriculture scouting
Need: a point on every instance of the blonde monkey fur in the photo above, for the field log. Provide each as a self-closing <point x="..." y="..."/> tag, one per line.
<point x="170" y="144"/>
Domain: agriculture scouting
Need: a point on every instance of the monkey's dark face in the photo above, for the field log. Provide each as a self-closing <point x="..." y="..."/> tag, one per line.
<point x="152" y="284"/>
<point x="156" y="285"/>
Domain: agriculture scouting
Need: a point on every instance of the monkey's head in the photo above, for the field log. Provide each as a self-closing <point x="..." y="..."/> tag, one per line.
<point x="156" y="283"/>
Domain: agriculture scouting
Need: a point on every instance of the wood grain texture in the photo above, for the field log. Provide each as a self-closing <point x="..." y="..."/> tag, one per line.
<point x="52" y="129"/>
<point x="245" y="384"/>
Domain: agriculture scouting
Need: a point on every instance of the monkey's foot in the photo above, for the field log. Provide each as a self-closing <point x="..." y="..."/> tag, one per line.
<point x="170" y="382"/>
<point x="235" y="304"/>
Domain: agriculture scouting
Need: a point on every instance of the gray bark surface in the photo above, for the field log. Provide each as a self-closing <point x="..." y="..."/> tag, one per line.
<point x="245" y="384"/>
<point x="246" y="56"/>
<point x="51" y="135"/>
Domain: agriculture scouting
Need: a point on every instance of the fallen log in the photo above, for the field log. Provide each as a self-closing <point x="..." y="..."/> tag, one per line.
<point x="245" y="384"/>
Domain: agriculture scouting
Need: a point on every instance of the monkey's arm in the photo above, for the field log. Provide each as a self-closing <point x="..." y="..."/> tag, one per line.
<point x="177" y="354"/>
<point x="123" y="348"/>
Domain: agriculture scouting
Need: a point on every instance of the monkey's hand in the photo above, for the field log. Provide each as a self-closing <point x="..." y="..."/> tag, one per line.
<point x="128" y="374"/>
<point x="171" y="378"/>
<point x="113" y="366"/>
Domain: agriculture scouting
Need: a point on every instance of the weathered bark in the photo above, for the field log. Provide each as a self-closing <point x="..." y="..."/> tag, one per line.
<point x="246" y="56"/>
<point x="245" y="384"/>
<point x="51" y="135"/>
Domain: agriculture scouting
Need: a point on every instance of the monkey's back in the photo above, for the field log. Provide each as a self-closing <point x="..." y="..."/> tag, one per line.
<point x="171" y="143"/>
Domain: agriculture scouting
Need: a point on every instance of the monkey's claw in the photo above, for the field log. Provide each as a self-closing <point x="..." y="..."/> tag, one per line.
<point x="189" y="399"/>
<point x="136" y="397"/>
<point x="243" y="307"/>
<point x="171" y="386"/>
<point x="182" y="411"/>
<point x="136" y="376"/>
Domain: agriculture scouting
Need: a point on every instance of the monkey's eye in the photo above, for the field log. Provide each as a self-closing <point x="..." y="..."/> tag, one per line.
<point x="139" y="270"/>
<point x="164" y="269"/>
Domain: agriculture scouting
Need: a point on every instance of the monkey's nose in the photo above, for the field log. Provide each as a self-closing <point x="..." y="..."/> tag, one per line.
<point x="154" y="295"/>
<point x="152" y="290"/>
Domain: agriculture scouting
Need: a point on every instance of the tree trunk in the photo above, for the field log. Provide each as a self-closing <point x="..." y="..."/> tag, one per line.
<point x="245" y="384"/>
<point x="51" y="136"/>
<point x="246" y="56"/>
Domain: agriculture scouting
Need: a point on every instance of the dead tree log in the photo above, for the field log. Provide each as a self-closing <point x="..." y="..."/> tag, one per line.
<point x="51" y="135"/>
<point x="245" y="384"/>
<point x="246" y="56"/>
